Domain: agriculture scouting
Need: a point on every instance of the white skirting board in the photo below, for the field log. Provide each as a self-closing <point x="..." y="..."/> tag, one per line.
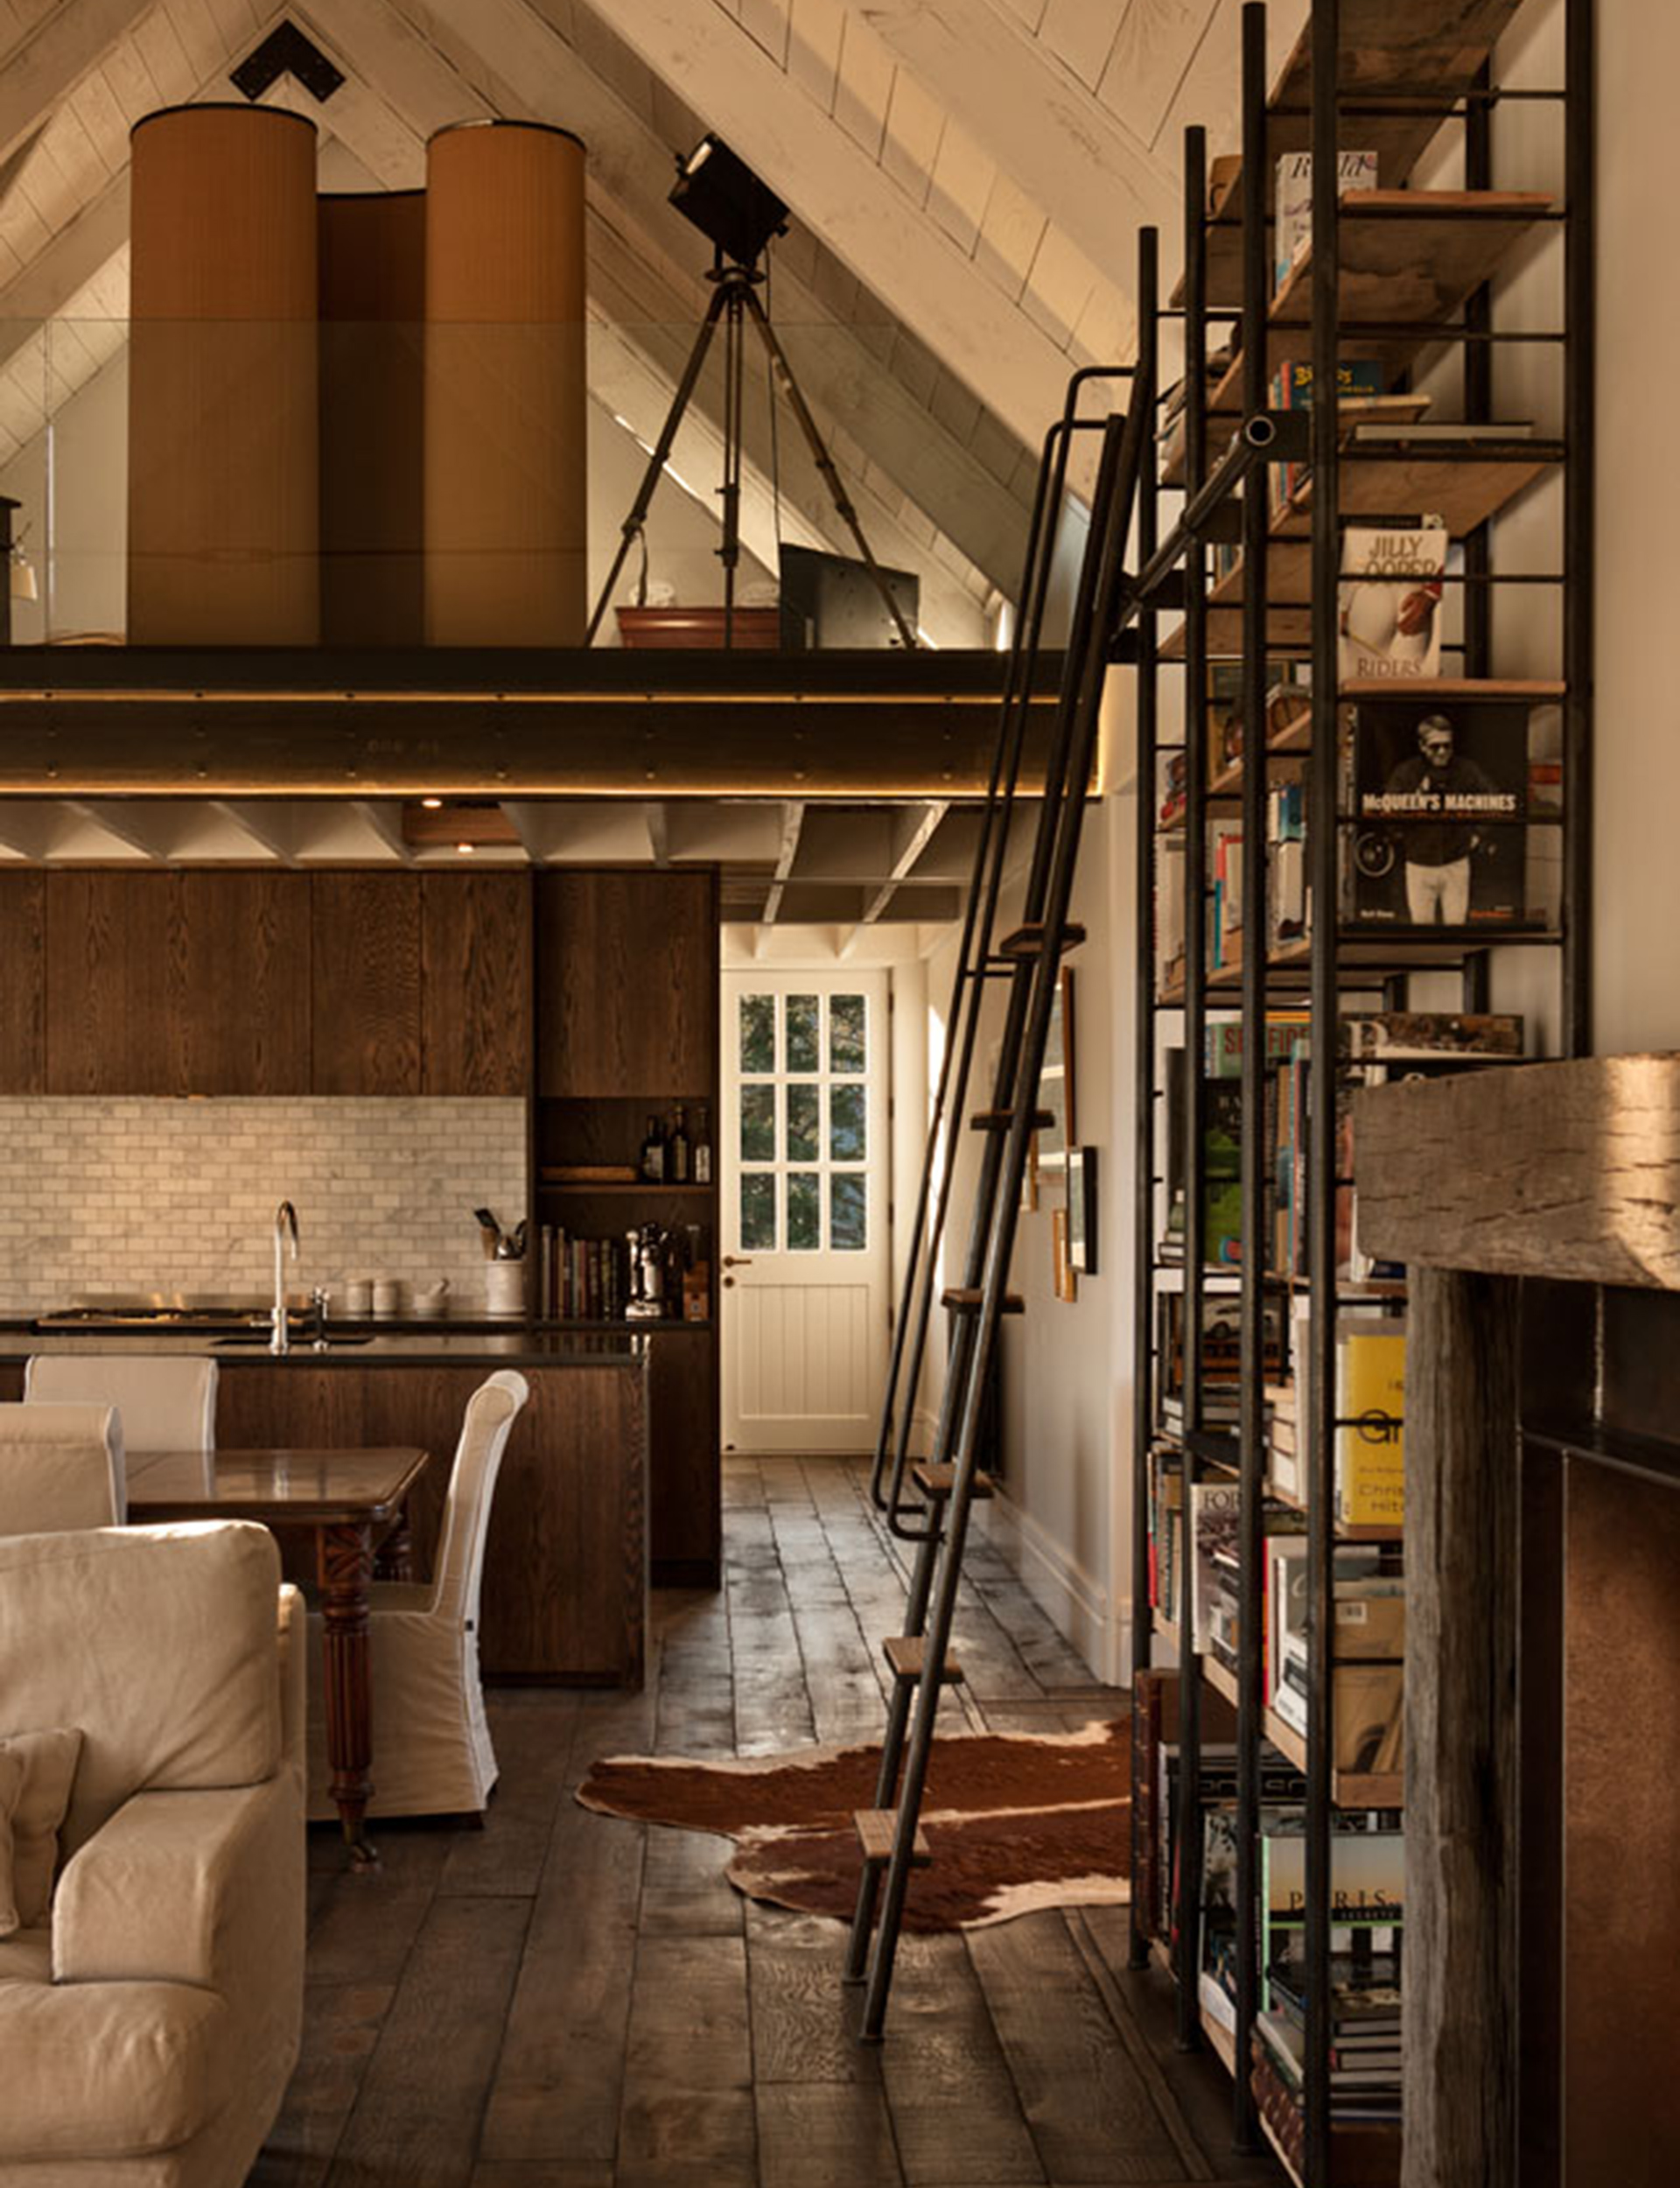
<point x="1077" y="1605"/>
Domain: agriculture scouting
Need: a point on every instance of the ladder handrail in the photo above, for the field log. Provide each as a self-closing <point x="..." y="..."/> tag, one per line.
<point x="968" y="988"/>
<point x="1103" y="584"/>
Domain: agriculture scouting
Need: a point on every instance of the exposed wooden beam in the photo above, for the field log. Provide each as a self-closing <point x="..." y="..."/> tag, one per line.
<point x="1094" y="177"/>
<point x="426" y="827"/>
<point x="793" y="819"/>
<point x="130" y="822"/>
<point x="28" y="826"/>
<point x="75" y="254"/>
<point x="384" y="818"/>
<point x="839" y="191"/>
<point x="42" y="71"/>
<point x="526" y="821"/>
<point x="262" y="824"/>
<point x="916" y="832"/>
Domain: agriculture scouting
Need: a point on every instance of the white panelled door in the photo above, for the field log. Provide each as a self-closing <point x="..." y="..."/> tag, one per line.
<point x="804" y="1156"/>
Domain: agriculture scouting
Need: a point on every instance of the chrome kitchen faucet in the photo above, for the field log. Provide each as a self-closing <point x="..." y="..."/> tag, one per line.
<point x="285" y="1219"/>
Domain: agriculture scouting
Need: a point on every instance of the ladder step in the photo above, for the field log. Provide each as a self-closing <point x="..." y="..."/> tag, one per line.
<point x="1001" y="1119"/>
<point x="907" y="1654"/>
<point x="965" y="1302"/>
<point x="1028" y="941"/>
<point x="937" y="1477"/>
<point x="876" y="1827"/>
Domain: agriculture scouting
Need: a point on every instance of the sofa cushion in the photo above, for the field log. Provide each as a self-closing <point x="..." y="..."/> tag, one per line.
<point x="158" y="1642"/>
<point x="37" y="1771"/>
<point x="27" y="1956"/>
<point x="107" y="2071"/>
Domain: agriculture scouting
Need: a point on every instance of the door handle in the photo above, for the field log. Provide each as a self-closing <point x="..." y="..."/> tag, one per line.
<point x="735" y="1261"/>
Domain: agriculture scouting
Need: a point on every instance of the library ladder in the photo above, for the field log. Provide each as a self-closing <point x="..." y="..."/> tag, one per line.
<point x="1028" y="960"/>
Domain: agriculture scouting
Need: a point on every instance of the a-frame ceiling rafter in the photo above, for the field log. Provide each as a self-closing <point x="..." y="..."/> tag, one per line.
<point x="1004" y="358"/>
<point x="395" y="68"/>
<point x="1093" y="176"/>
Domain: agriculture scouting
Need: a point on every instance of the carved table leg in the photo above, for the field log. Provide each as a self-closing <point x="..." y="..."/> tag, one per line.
<point x="395" y="1560"/>
<point x="345" y="1559"/>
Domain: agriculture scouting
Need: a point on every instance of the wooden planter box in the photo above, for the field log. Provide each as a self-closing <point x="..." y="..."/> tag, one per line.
<point x="758" y="629"/>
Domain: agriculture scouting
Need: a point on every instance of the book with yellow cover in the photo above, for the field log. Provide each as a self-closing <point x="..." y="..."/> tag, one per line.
<point x="1370" y="1405"/>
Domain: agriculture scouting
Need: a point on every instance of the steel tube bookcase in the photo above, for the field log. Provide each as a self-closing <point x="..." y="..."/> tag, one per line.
<point x="1343" y="86"/>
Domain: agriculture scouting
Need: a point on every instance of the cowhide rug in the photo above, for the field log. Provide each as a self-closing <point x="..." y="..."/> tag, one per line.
<point x="1015" y="1821"/>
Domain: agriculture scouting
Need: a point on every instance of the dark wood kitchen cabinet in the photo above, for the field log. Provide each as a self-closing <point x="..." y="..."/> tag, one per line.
<point x="475" y="982"/>
<point x="244" y="997"/>
<point x="365" y="983"/>
<point x="23" y="983"/>
<point x="114" y="951"/>
<point x="176" y="983"/>
<point x="627" y="982"/>
<point x="627" y="1027"/>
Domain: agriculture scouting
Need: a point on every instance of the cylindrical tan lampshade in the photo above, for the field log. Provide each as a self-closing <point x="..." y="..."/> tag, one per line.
<point x="372" y="274"/>
<point x="507" y="535"/>
<point x="223" y="448"/>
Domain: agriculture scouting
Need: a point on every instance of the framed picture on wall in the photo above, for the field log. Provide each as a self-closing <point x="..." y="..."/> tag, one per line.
<point x="1067" y="1282"/>
<point x="1056" y="1080"/>
<point x="1082" y="1209"/>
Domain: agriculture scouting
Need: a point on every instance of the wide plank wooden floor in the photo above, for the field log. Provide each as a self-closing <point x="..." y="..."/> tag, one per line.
<point x="566" y="2001"/>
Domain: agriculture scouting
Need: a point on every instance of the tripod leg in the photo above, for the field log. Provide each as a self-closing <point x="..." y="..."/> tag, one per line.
<point x="656" y="462"/>
<point x="825" y="463"/>
<point x="734" y="366"/>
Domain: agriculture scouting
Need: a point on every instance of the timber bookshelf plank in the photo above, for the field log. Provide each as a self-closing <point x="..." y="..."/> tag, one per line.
<point x="1408" y="257"/>
<point x="1428" y="53"/>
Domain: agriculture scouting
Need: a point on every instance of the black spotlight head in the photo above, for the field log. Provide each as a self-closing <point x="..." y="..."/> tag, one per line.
<point x="726" y="201"/>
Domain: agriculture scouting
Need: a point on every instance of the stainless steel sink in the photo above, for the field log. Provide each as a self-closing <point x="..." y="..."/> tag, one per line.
<point x="260" y="1338"/>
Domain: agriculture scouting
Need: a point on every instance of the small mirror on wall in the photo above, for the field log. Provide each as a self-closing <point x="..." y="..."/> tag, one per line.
<point x="1056" y="1080"/>
<point x="1082" y="1209"/>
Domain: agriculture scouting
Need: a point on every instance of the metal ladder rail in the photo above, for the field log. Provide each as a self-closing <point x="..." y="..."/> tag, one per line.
<point x="909" y="1352"/>
<point x="967" y="998"/>
<point x="1105" y="563"/>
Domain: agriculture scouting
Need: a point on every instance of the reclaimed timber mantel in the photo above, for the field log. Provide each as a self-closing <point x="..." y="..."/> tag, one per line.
<point x="1569" y="1170"/>
<point x="1564" y="1172"/>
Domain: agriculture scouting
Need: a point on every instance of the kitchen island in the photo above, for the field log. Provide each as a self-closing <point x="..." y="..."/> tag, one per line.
<point x="565" y="1574"/>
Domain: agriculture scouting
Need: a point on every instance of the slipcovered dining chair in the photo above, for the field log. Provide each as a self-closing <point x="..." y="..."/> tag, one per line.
<point x="60" y="1467"/>
<point x="433" y="1755"/>
<point x="167" y="1401"/>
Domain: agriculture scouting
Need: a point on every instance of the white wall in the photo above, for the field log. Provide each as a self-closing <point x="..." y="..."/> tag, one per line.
<point x="1637" y="734"/>
<point x="72" y="482"/>
<point x="1067" y="1373"/>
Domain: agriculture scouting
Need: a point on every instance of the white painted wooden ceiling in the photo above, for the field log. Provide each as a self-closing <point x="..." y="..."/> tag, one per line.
<point x="967" y="180"/>
<point x="966" y="177"/>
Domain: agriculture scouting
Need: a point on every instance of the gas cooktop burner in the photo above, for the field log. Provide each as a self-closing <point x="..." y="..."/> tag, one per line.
<point x="147" y="1317"/>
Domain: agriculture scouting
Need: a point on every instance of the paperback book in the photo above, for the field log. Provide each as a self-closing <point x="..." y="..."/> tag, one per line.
<point x="1389" y="601"/>
<point x="1293" y="230"/>
<point x="1432" y="1037"/>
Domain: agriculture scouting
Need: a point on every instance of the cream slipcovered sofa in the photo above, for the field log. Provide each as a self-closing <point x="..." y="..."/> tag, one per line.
<point x="149" y="2026"/>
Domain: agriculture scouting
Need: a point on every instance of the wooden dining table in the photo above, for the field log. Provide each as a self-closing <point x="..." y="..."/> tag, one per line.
<point x="352" y="1503"/>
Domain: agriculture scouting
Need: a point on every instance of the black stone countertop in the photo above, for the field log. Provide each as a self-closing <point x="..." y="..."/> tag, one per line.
<point x="518" y="1345"/>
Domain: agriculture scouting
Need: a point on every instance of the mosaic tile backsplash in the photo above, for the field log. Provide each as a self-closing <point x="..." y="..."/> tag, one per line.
<point x="103" y="1196"/>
